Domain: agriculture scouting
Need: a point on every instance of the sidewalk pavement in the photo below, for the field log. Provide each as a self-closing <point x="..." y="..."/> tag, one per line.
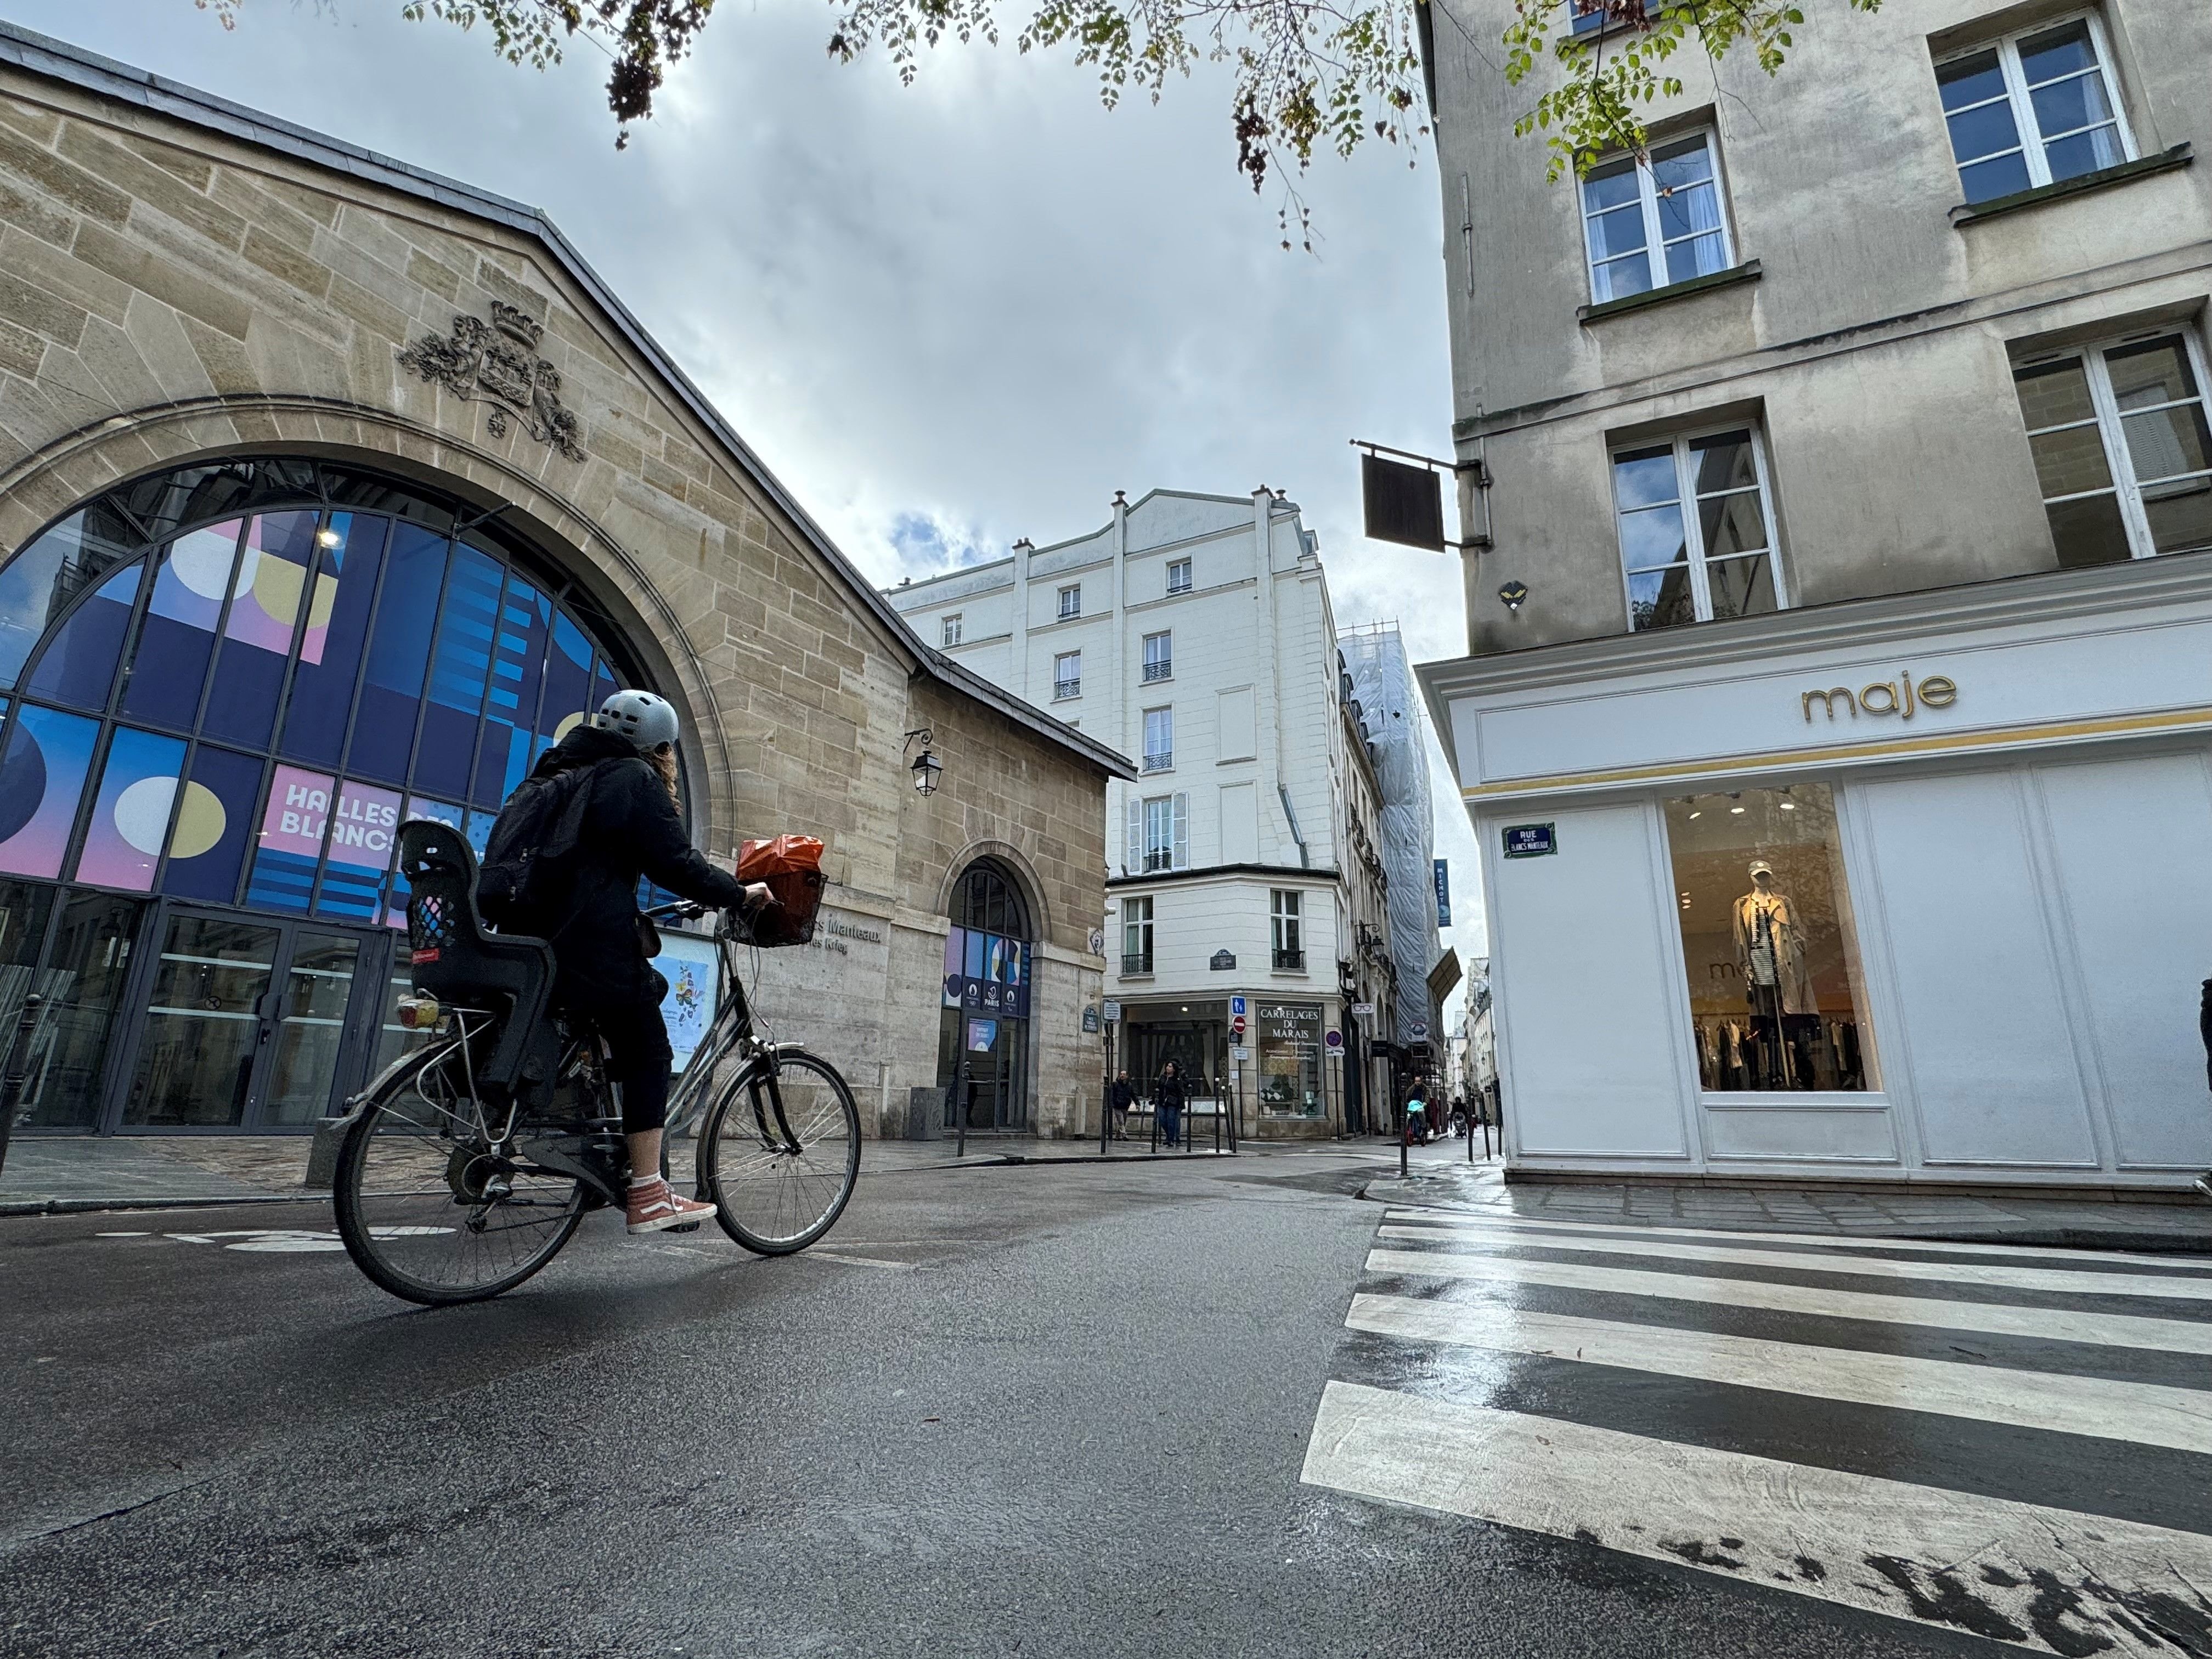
<point x="1441" y="1176"/>
<point x="56" y="1173"/>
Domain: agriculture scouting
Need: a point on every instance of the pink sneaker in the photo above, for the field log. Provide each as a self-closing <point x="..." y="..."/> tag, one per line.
<point x="655" y="1206"/>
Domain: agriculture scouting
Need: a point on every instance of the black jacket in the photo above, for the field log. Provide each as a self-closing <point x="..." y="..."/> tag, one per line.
<point x="1169" y="1093"/>
<point x="629" y="829"/>
<point x="1121" y="1095"/>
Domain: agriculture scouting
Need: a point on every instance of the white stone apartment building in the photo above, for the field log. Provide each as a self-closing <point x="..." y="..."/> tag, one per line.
<point x="1836" y="722"/>
<point x="1193" y="634"/>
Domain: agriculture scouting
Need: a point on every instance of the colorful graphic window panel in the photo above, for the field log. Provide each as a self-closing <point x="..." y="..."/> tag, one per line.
<point x="176" y="636"/>
<point x="363" y="833"/>
<point x="272" y="578"/>
<point x="130" y="814"/>
<point x="42" y="775"/>
<point x="398" y="655"/>
<point x="292" y="826"/>
<point x="78" y="664"/>
<point x="568" y="685"/>
<point x="249" y="676"/>
<point x="208" y="846"/>
<point x="337" y="633"/>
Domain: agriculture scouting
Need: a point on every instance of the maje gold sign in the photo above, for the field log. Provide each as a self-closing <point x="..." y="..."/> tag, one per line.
<point x="1898" y="697"/>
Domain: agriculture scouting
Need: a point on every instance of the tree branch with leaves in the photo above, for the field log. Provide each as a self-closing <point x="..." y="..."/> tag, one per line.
<point x="1308" y="74"/>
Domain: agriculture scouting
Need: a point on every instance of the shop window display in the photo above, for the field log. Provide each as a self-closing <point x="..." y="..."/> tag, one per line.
<point x="1776" y="999"/>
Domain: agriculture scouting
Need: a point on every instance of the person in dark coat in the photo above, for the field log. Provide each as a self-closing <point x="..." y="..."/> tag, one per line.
<point x="629" y="827"/>
<point x="1120" y="1097"/>
<point x="1168" y="1097"/>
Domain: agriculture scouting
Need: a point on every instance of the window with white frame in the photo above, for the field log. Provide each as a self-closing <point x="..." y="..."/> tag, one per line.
<point x="1647" y="223"/>
<point x="1066" y="676"/>
<point x="1178" y="575"/>
<point x="2123" y="453"/>
<point x="1696" y="523"/>
<point x="2034" y="108"/>
<point x="951" y="631"/>
<point x="1160" y="656"/>
<point x="1071" y="601"/>
<point x="1159" y="834"/>
<point x="1159" y="739"/>
<point x="1137" y="935"/>
<point x="1585" y="17"/>
<point x="1286" y="924"/>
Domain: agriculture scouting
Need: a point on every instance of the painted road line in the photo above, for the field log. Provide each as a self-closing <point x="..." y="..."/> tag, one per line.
<point x="858" y="1260"/>
<point x="2044" y="1578"/>
<point x="2107" y="1330"/>
<point x="2148" y="1413"/>
<point x="2177" y="1263"/>
<point x="2058" y="1280"/>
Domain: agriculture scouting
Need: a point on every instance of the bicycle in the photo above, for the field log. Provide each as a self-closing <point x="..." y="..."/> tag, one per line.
<point x="468" y="1163"/>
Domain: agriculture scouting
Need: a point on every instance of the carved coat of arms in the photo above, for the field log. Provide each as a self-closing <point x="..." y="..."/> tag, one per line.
<point x="497" y="363"/>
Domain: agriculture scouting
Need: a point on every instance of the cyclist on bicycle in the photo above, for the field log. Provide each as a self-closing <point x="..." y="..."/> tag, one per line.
<point x="627" y="826"/>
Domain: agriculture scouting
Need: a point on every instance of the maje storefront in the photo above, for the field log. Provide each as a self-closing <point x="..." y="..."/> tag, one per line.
<point x="1904" y="888"/>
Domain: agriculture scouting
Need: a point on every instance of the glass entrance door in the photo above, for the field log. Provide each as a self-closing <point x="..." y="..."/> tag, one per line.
<point x="246" y="1024"/>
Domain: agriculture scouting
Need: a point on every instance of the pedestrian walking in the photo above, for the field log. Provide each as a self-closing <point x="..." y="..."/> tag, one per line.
<point x="2204" y="1182"/>
<point x="1120" y="1097"/>
<point x="1168" y="1097"/>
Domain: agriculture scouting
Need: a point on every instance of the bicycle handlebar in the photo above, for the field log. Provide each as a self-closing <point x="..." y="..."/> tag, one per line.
<point x="679" y="909"/>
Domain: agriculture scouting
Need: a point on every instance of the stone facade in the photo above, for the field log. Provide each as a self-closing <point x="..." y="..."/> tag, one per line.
<point x="182" y="279"/>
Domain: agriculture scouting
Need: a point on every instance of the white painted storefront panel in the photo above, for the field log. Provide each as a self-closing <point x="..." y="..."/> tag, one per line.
<point x="1988" y="1042"/>
<point x="1586" y="995"/>
<point x="2131" y="848"/>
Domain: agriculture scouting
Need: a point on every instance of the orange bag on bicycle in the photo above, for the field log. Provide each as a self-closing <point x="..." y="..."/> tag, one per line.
<point x="790" y="865"/>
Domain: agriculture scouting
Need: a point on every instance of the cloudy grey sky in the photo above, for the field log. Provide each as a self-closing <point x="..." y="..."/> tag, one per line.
<point x="947" y="315"/>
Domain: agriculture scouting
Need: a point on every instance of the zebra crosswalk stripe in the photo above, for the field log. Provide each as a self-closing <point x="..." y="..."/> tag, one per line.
<point x="1826" y="1241"/>
<point x="1998" y="1319"/>
<point x="1729" y="1497"/>
<point x="2010" y="1277"/>
<point x="2148" y="1413"/>
<point x="2019" y="1573"/>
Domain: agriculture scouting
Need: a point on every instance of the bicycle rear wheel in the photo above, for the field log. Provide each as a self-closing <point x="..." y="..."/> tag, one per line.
<point x="426" y="1207"/>
<point x="780" y="1179"/>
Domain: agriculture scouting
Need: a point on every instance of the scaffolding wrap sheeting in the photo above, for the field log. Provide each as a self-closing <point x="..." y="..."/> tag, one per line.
<point x="1390" y="712"/>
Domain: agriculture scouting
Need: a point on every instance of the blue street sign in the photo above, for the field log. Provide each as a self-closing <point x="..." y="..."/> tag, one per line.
<point x="1530" y="840"/>
<point x="1236" y="1006"/>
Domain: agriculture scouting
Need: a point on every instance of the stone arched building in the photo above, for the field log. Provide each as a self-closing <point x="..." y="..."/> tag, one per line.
<point x="331" y="491"/>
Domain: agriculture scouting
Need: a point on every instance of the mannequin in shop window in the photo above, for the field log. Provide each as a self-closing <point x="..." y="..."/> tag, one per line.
<point x="1769" y="948"/>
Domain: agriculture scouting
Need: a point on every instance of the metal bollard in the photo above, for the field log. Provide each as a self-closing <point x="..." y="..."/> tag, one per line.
<point x="18" y="1070"/>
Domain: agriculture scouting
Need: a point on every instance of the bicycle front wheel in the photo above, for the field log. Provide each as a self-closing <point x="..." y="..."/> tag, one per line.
<point x="428" y="1207"/>
<point x="779" y="1152"/>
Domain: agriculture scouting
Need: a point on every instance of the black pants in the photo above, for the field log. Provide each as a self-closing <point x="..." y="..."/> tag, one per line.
<point x="638" y="1057"/>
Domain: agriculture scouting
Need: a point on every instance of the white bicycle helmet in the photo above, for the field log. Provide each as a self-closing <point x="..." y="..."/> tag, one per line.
<point x="645" y="720"/>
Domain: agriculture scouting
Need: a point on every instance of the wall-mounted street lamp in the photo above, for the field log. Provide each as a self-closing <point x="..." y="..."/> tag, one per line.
<point x="927" y="767"/>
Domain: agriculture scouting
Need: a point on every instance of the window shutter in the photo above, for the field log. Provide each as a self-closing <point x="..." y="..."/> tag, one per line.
<point x="1182" y="830"/>
<point x="1133" y="849"/>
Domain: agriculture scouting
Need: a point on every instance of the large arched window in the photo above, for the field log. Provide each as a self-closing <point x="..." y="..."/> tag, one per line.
<point x="987" y="897"/>
<point x="231" y="682"/>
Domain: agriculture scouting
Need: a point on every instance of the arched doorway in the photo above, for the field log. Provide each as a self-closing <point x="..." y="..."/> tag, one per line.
<point x="983" y="1034"/>
<point x="221" y="688"/>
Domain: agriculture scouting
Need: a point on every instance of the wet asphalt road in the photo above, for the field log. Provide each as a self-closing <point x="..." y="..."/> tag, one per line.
<point x="1036" y="1410"/>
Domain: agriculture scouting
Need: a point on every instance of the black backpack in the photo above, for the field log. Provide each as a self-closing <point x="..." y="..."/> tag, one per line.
<point x="533" y="840"/>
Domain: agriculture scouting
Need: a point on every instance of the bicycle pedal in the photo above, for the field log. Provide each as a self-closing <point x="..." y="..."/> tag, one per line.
<point x="686" y="1227"/>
